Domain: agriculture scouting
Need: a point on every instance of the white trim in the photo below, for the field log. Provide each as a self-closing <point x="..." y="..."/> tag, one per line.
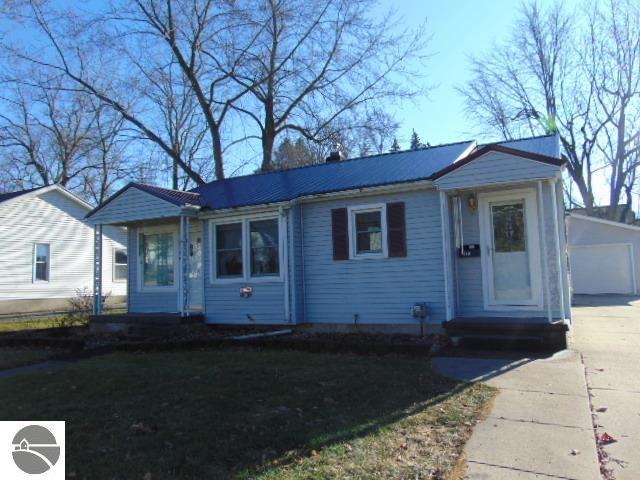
<point x="371" y="207"/>
<point x="446" y="265"/>
<point x="34" y="259"/>
<point x="246" y="276"/>
<point x="545" y="255"/>
<point x="283" y="240"/>
<point x="603" y="221"/>
<point x="477" y="186"/>
<point x="113" y="264"/>
<point x="531" y="219"/>
<point x="632" y="257"/>
<point x="556" y="229"/>
<point x="175" y="230"/>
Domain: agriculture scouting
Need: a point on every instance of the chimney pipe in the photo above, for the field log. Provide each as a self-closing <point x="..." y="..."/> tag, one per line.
<point x="336" y="155"/>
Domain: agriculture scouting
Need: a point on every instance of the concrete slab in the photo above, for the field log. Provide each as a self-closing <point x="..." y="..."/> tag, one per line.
<point x="545" y="408"/>
<point x="541" y="414"/>
<point x="531" y="447"/>
<point x="607" y="333"/>
<point x="483" y="471"/>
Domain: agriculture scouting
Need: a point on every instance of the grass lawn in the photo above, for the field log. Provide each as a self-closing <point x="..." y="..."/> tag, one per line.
<point x="35" y="324"/>
<point x="17" y="356"/>
<point x="252" y="414"/>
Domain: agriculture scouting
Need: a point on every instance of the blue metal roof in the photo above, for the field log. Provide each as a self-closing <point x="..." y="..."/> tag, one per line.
<point x="385" y="169"/>
<point x="548" y="145"/>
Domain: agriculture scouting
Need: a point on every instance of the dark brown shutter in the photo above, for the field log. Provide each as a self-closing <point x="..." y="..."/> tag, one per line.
<point x="340" y="233"/>
<point x="396" y="230"/>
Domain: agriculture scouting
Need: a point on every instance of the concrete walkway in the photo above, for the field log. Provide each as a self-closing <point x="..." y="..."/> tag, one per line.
<point x="607" y="334"/>
<point x="540" y="426"/>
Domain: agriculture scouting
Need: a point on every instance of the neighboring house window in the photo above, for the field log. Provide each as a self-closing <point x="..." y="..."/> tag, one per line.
<point x="41" y="262"/>
<point x="264" y="247"/>
<point x="247" y="249"/>
<point x="158" y="252"/>
<point x="229" y="250"/>
<point x="120" y="265"/>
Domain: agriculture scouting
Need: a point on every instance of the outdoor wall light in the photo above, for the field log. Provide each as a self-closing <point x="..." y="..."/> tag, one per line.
<point x="472" y="201"/>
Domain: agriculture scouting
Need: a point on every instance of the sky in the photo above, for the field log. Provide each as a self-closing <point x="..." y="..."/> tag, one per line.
<point x="458" y="29"/>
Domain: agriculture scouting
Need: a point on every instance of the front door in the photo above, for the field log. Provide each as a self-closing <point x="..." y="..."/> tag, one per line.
<point x="511" y="250"/>
<point x="195" y="267"/>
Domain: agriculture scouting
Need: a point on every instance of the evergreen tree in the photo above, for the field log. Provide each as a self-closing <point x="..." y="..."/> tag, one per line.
<point x="395" y="146"/>
<point x="415" y="140"/>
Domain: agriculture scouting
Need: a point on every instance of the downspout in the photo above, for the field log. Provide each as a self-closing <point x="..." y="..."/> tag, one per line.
<point x="554" y="203"/>
<point x="545" y="257"/>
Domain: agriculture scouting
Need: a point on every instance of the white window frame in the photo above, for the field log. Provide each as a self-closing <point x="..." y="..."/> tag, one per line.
<point x="174" y="229"/>
<point x="33" y="263"/>
<point x="114" y="264"/>
<point x="353" y="247"/>
<point x="246" y="276"/>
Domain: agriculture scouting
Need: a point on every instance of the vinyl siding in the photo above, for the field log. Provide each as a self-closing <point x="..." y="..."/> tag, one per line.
<point x="495" y="167"/>
<point x="469" y="275"/>
<point x="378" y="291"/>
<point x="224" y="304"/>
<point x="134" y="205"/>
<point x="53" y="218"/>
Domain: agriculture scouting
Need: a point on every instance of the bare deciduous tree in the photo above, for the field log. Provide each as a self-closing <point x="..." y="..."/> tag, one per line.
<point x="547" y="78"/>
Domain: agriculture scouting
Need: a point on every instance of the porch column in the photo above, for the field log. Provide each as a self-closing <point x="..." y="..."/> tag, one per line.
<point x="445" y="216"/>
<point x="183" y="290"/>
<point x="545" y="256"/>
<point x="97" y="269"/>
<point x="556" y="235"/>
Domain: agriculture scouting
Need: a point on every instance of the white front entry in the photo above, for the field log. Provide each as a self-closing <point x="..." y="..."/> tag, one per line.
<point x="510" y="254"/>
<point x="196" y="286"/>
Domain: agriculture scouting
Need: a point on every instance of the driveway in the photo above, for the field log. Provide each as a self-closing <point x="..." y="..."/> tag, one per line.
<point x="607" y="335"/>
<point x="543" y="421"/>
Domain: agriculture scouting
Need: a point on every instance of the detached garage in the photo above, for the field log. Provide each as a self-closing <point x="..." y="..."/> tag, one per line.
<point x="602" y="255"/>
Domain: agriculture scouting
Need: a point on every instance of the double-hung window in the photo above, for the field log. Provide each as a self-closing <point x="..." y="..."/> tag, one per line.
<point x="264" y="248"/>
<point x="229" y="258"/>
<point x="120" y="265"/>
<point x="41" y="262"/>
<point x="247" y="249"/>
<point x="158" y="259"/>
<point x="368" y="231"/>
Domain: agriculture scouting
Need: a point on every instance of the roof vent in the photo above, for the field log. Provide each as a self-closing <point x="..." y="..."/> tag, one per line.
<point x="336" y="155"/>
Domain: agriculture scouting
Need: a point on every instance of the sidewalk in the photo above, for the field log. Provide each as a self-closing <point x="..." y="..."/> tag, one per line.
<point x="540" y="426"/>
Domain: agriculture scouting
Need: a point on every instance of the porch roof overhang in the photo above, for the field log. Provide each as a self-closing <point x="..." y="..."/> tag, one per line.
<point x="137" y="203"/>
<point x="494" y="165"/>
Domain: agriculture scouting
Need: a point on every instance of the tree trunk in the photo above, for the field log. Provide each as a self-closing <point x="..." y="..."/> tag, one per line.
<point x="217" y="155"/>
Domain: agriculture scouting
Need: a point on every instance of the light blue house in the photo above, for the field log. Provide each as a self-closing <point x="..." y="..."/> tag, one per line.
<point x="471" y="235"/>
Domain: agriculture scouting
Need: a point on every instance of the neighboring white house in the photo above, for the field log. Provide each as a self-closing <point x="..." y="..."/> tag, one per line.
<point x="47" y="251"/>
<point x="603" y="255"/>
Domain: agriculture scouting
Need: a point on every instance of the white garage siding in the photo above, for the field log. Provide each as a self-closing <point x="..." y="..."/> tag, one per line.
<point x="603" y="255"/>
<point x="605" y="268"/>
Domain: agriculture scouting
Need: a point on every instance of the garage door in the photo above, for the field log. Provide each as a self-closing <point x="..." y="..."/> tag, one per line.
<point x="602" y="268"/>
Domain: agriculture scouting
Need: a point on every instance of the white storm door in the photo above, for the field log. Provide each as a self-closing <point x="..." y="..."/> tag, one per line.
<point x="511" y="250"/>
<point x="196" y="285"/>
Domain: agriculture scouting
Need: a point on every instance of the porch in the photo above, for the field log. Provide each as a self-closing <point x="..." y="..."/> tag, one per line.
<point x="505" y="256"/>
